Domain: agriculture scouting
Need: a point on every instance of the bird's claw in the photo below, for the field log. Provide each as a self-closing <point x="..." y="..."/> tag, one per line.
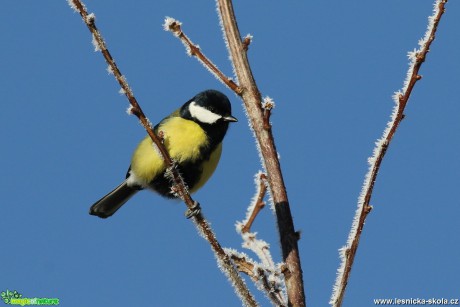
<point x="193" y="211"/>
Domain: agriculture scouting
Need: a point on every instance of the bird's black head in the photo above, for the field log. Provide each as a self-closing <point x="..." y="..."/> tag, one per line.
<point x="209" y="107"/>
<point x="212" y="111"/>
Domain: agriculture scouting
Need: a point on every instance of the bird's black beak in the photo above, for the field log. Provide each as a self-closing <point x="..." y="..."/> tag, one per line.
<point x="229" y="119"/>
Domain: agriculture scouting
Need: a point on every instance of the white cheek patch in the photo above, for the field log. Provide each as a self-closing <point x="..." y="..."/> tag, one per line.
<point x="203" y="115"/>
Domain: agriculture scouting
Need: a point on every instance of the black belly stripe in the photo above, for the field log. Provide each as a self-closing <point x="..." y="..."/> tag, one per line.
<point x="190" y="172"/>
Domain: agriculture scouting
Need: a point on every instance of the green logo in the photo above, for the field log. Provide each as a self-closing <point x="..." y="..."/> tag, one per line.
<point x="15" y="298"/>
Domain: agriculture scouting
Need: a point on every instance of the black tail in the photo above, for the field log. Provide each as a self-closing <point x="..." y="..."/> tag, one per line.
<point x="109" y="204"/>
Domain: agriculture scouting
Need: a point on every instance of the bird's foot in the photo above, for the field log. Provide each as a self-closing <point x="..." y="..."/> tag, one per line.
<point x="193" y="211"/>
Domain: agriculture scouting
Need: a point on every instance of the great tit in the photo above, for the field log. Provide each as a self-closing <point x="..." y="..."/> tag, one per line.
<point x="193" y="137"/>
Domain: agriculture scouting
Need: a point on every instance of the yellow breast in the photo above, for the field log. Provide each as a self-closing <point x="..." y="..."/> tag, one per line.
<point x="182" y="138"/>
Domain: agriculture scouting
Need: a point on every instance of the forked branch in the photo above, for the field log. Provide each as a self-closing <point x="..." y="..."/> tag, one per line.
<point x="259" y="120"/>
<point x="265" y="274"/>
<point x="259" y="276"/>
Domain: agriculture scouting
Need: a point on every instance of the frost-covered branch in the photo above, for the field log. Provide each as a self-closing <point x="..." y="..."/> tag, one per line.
<point x="203" y="227"/>
<point x="100" y="45"/>
<point x="174" y="26"/>
<point x="250" y="241"/>
<point x="266" y="145"/>
<point x="257" y="203"/>
<point x="262" y="277"/>
<point x="266" y="274"/>
<point x="258" y="112"/>
<point x="417" y="57"/>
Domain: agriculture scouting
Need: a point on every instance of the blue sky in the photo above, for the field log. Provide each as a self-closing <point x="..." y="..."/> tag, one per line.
<point x="331" y="68"/>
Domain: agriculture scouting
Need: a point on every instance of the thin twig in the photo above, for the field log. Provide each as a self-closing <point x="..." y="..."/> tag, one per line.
<point x="175" y="27"/>
<point x="257" y="274"/>
<point x="348" y="252"/>
<point x="267" y="274"/>
<point x="266" y="145"/>
<point x="268" y="104"/>
<point x="179" y="186"/>
<point x="135" y="109"/>
<point x="224" y="262"/>
<point x="245" y="266"/>
<point x="260" y="204"/>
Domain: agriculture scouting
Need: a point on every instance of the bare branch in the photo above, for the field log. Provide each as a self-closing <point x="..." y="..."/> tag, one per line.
<point x="175" y="27"/>
<point x="100" y="45"/>
<point x="401" y="98"/>
<point x="250" y="241"/>
<point x="193" y="50"/>
<point x="179" y="187"/>
<point x="259" y="119"/>
<point x="267" y="149"/>
<point x="259" y="276"/>
<point x="244" y="265"/>
<point x="224" y="262"/>
<point x="259" y="205"/>
<point x="265" y="274"/>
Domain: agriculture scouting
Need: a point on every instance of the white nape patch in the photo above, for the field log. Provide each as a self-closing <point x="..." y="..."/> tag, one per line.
<point x="202" y="114"/>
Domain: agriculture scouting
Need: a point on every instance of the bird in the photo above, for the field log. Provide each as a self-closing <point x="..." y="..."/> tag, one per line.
<point x="192" y="135"/>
